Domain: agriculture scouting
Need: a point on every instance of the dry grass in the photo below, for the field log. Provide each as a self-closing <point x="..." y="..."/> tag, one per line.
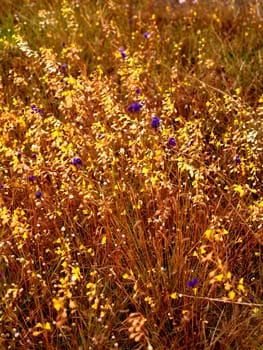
<point x="131" y="175"/>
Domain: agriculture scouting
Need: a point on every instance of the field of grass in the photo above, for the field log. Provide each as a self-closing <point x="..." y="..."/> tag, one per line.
<point x="131" y="194"/>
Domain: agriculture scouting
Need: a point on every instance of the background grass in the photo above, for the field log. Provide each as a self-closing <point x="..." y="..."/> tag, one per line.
<point x="117" y="232"/>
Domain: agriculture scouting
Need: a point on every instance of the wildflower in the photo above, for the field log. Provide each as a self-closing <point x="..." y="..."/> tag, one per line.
<point x="134" y="107"/>
<point x="251" y="298"/>
<point x="31" y="177"/>
<point x="192" y="283"/>
<point x="123" y="54"/>
<point x="34" y="156"/>
<point x="38" y="194"/>
<point x="64" y="66"/>
<point x="19" y="155"/>
<point x="172" y="142"/>
<point x="63" y="44"/>
<point x="34" y="109"/>
<point x="155" y="123"/>
<point x="1" y="186"/>
<point x="147" y="35"/>
<point x="76" y="161"/>
<point x="237" y="159"/>
<point x="1" y="275"/>
<point x="137" y="91"/>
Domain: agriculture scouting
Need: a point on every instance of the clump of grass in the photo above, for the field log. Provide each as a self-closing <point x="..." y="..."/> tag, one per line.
<point x="131" y="175"/>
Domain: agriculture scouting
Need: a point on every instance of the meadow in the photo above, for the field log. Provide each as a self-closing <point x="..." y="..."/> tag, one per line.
<point x="131" y="152"/>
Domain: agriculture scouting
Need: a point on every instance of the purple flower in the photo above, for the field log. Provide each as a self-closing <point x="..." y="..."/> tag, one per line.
<point x="64" y="66"/>
<point x="1" y="186"/>
<point x="172" y="142"/>
<point x="237" y="159"/>
<point x="192" y="283"/>
<point x="31" y="177"/>
<point x="76" y="161"/>
<point x="34" y="109"/>
<point x="155" y="123"/>
<point x="134" y="107"/>
<point x="137" y="91"/>
<point x="147" y="35"/>
<point x="1" y="275"/>
<point x="63" y="44"/>
<point x="34" y="156"/>
<point x="19" y="155"/>
<point x="38" y="194"/>
<point x="123" y="54"/>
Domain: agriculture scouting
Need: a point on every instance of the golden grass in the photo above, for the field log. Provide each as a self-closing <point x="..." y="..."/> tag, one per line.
<point x="131" y="175"/>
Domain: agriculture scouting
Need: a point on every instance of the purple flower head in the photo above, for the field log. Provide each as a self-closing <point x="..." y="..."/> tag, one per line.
<point x="19" y="155"/>
<point x="38" y="194"/>
<point x="155" y="123"/>
<point x="137" y="91"/>
<point x="64" y="66"/>
<point x="63" y="44"/>
<point x="76" y="161"/>
<point x="34" y="109"/>
<point x="1" y="275"/>
<point x="134" y="107"/>
<point x="1" y="186"/>
<point x="147" y="35"/>
<point x="237" y="159"/>
<point x="31" y="177"/>
<point x="192" y="283"/>
<point x="171" y="142"/>
<point x="123" y="54"/>
<point x="34" y="156"/>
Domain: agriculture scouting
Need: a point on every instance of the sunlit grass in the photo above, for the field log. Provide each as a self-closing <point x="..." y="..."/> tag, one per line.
<point x="131" y="175"/>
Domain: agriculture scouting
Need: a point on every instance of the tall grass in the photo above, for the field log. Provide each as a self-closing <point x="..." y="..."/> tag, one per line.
<point x="131" y="175"/>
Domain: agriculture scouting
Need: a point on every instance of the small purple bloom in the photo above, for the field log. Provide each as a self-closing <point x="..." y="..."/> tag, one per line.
<point x="1" y="186"/>
<point x="38" y="194"/>
<point x="64" y="66"/>
<point x="34" y="109"/>
<point x="34" y="156"/>
<point x="147" y="35"/>
<point x="155" y="123"/>
<point x="63" y="44"/>
<point x="134" y="107"/>
<point x="1" y="275"/>
<point x="31" y="177"/>
<point x="192" y="283"/>
<point x="76" y="161"/>
<point x="137" y="91"/>
<point x="123" y="54"/>
<point x="237" y="159"/>
<point x="172" y="142"/>
<point x="19" y="155"/>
